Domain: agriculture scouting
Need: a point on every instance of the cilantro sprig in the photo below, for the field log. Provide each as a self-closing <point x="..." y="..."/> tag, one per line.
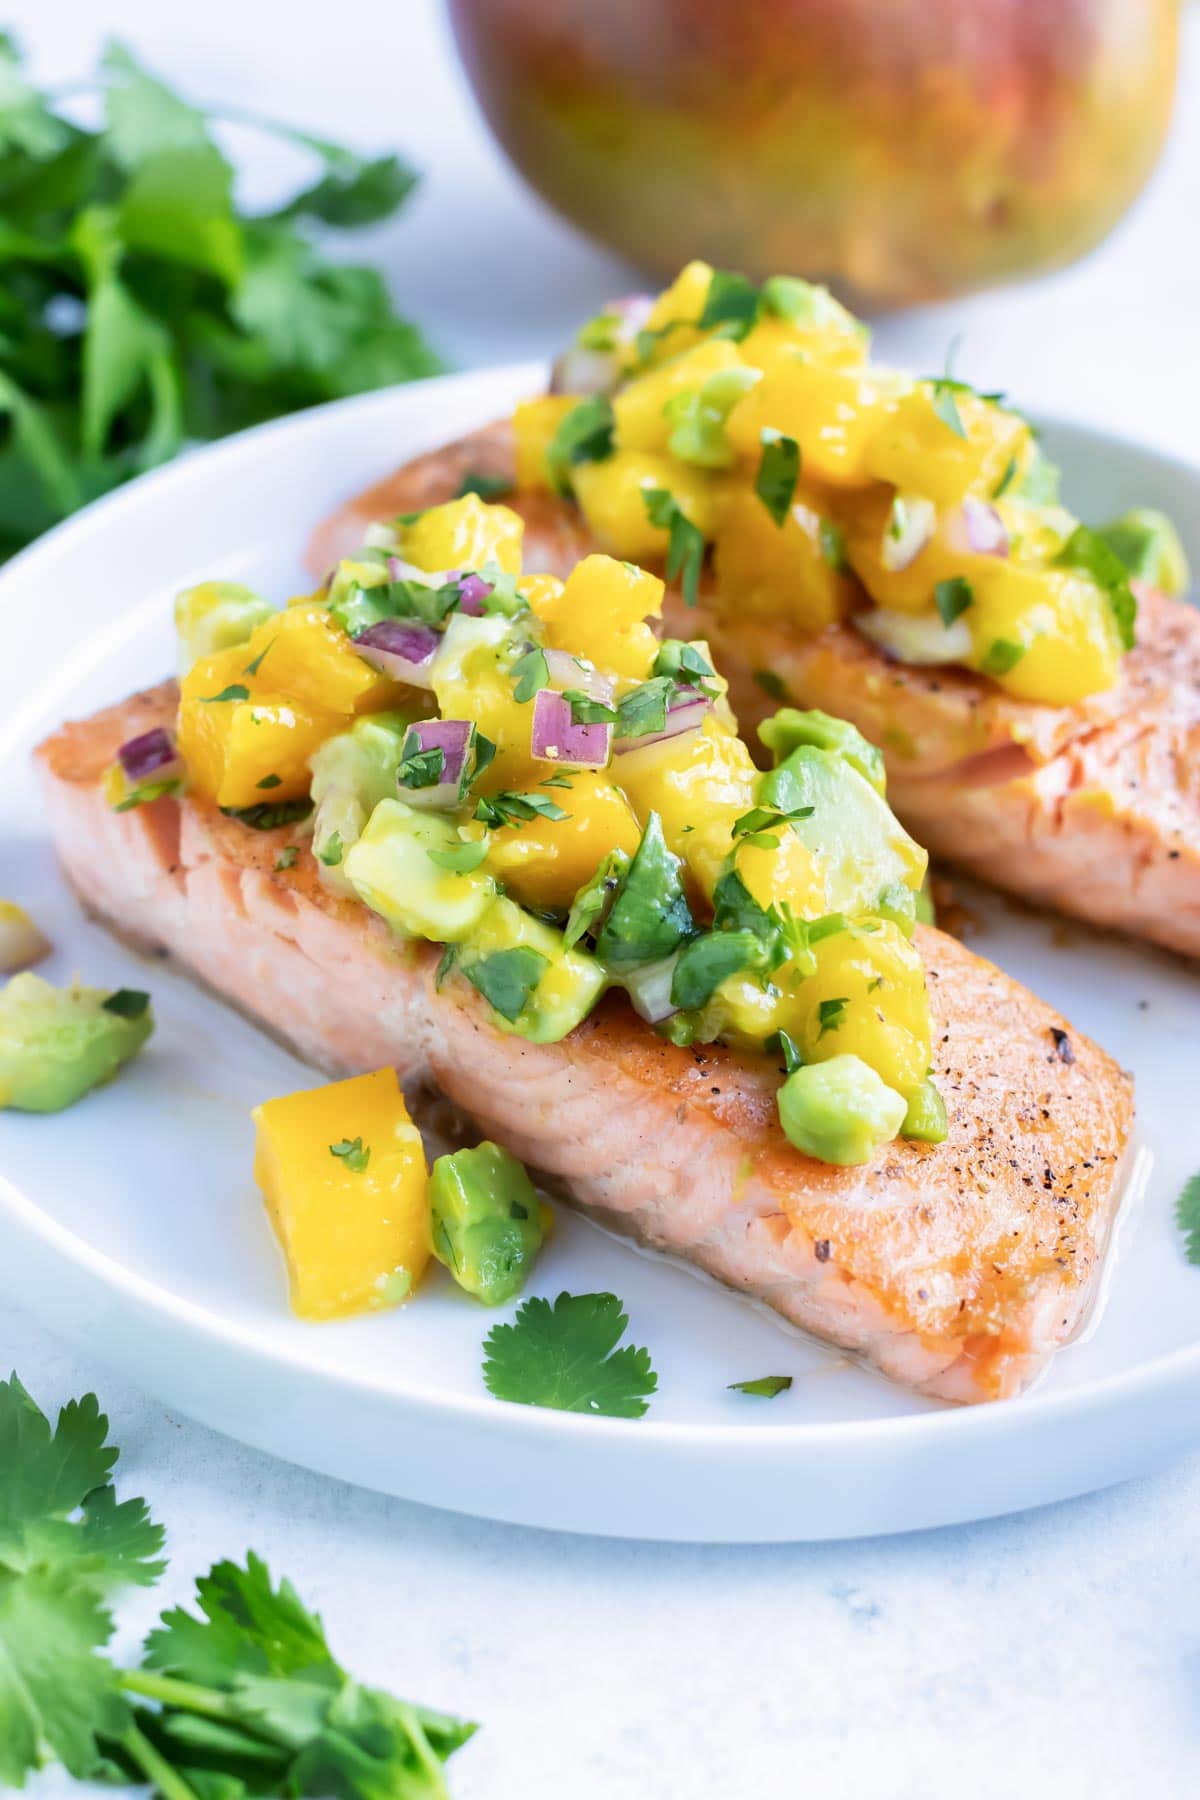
<point x="685" y="541"/>
<point x="565" y="1356"/>
<point x="241" y="1698"/>
<point x="1187" y="1217"/>
<point x="143" y="308"/>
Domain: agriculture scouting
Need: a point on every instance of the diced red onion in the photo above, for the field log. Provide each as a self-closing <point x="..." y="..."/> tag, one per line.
<point x="400" y="648"/>
<point x="557" y="738"/>
<point x="473" y="590"/>
<point x="572" y="672"/>
<point x="632" y="310"/>
<point x="152" y="756"/>
<point x="982" y="527"/>
<point x="911" y="524"/>
<point x="582" y="371"/>
<point x="686" y="712"/>
<point x="453" y="737"/>
<point x="649" y="989"/>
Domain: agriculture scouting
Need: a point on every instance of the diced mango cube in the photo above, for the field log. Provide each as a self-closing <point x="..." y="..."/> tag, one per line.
<point x="787" y="572"/>
<point x="945" y="446"/>
<point x="534" y="425"/>
<point x="640" y="408"/>
<point x="251" y="746"/>
<point x="834" y="415"/>
<point x="464" y="534"/>
<point x="306" y="655"/>
<point x="601" y="614"/>
<point x="612" y="494"/>
<point x="342" y="1172"/>
<point x="546" y="861"/>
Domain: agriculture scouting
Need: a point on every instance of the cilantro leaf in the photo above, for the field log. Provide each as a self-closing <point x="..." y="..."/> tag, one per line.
<point x="952" y="598"/>
<point x="57" y="1695"/>
<point x="830" y="1014"/>
<point x="1087" y="551"/>
<point x="530" y="673"/>
<point x="685" y="541"/>
<point x="126" y="1003"/>
<point x="353" y="1153"/>
<point x="707" y="961"/>
<point x="731" y="303"/>
<point x="565" y="1356"/>
<point x="767" y="1386"/>
<point x="505" y="808"/>
<point x="460" y="859"/>
<point x="507" y="978"/>
<point x="942" y="394"/>
<point x="235" y="691"/>
<point x="1187" y="1217"/>
<point x="270" y="815"/>
<point x="778" y="473"/>
<point x="1001" y="655"/>
<point x="488" y="487"/>
<point x="585" y="434"/>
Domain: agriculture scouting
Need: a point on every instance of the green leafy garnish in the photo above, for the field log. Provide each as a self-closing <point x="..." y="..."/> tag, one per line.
<point x="143" y="307"/>
<point x="127" y="1003"/>
<point x="682" y="663"/>
<point x="287" y="858"/>
<point x="731" y="302"/>
<point x="421" y="768"/>
<point x="830" y="1014"/>
<point x="1087" y="551"/>
<point x="530" y="673"/>
<point x="585" y="434"/>
<point x="771" y="685"/>
<point x="269" y="781"/>
<point x="792" y="1059"/>
<point x="507" y="978"/>
<point x="506" y="808"/>
<point x="952" y="598"/>
<point x="1006" y="480"/>
<point x="256" y="664"/>
<point x="332" y="850"/>
<point x="761" y="823"/>
<point x="269" y="815"/>
<point x="1187" y="1217"/>
<point x="832" y="540"/>
<point x="778" y="473"/>
<point x="685" y="541"/>
<point x="353" y="1153"/>
<point x="707" y="961"/>
<point x="462" y="858"/>
<point x="565" y="1356"/>
<point x="488" y="487"/>
<point x="766" y="1386"/>
<point x="235" y="691"/>
<point x="942" y="394"/>
<point x="650" y="916"/>
<point x="592" y="901"/>
<point x="1001" y="656"/>
<point x="585" y="710"/>
<point x="644" y="708"/>
<point x="243" y="1699"/>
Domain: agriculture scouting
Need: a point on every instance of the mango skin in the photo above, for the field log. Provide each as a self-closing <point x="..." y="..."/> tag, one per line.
<point x="901" y="152"/>
<point x="354" y="1240"/>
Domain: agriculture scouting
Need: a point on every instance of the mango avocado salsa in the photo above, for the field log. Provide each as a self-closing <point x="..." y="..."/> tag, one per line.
<point x="744" y="430"/>
<point x="517" y="768"/>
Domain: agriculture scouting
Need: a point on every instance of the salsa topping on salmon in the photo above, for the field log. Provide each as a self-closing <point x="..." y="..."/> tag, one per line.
<point x="749" y="422"/>
<point x="516" y="768"/>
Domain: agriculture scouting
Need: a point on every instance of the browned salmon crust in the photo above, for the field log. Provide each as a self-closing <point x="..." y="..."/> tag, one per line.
<point x="1093" y="809"/>
<point x="956" y="1269"/>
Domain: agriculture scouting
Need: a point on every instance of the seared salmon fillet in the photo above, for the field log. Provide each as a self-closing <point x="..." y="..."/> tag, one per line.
<point x="1091" y="809"/>
<point x="957" y="1269"/>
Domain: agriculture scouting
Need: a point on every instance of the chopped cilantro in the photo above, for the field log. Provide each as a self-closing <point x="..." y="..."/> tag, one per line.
<point x="778" y="473"/>
<point x="830" y="1014"/>
<point x="771" y="685"/>
<point x="1187" y="1217"/>
<point x="269" y="781"/>
<point x="565" y="1356"/>
<point x="832" y="540"/>
<point x="946" y="406"/>
<point x="731" y="304"/>
<point x="1087" y="551"/>
<point x="268" y="815"/>
<point x="353" y="1153"/>
<point x="332" y="850"/>
<point x="682" y="662"/>
<point x="952" y="598"/>
<point x="127" y="1003"/>
<point x="556" y="781"/>
<point x="765" y="1386"/>
<point x="708" y="961"/>
<point x="585" y="434"/>
<point x="588" y="711"/>
<point x="235" y="691"/>
<point x="643" y="709"/>
<point x="252" y="668"/>
<point x="1006" y="480"/>
<point x="422" y="768"/>
<point x="592" y="901"/>
<point x="488" y="487"/>
<point x="1001" y="656"/>
<point x="507" y="808"/>
<point x="761" y="822"/>
<point x="685" y="541"/>
<point x="530" y="673"/>
<point x="462" y="858"/>
<point x="287" y="858"/>
<point x="650" y="916"/>
<point x="792" y="1059"/>
<point x="507" y="978"/>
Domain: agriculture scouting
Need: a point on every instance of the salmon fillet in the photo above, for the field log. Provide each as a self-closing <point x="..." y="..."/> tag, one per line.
<point x="957" y="1269"/>
<point x="1091" y="809"/>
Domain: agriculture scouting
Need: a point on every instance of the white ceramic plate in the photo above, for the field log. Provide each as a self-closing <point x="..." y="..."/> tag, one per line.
<point x="132" y="1225"/>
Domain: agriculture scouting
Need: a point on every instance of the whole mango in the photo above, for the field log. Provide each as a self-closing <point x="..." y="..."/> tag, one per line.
<point x="900" y="151"/>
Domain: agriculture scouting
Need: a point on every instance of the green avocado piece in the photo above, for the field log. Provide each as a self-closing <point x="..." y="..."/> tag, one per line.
<point x="56" y="1044"/>
<point x="535" y="986"/>
<point x="351" y="773"/>
<point x="409" y="866"/>
<point x="855" y="838"/>
<point x="1148" y="544"/>
<point x="925" y="1120"/>
<point x="787" y="729"/>
<point x="839" y="1111"/>
<point x="485" y="1221"/>
<point x="216" y="615"/>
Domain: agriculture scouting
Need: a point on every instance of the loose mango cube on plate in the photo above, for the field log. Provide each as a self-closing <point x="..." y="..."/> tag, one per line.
<point x="342" y="1172"/>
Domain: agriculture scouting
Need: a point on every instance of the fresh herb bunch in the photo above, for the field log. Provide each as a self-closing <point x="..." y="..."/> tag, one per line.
<point x="242" y="1698"/>
<point x="140" y="308"/>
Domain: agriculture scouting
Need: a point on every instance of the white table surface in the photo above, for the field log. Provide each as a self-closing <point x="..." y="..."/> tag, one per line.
<point x="1050" y="1653"/>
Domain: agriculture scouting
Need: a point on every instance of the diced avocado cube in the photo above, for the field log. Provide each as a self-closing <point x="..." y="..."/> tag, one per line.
<point x="402" y="867"/>
<point x="56" y="1044"/>
<point x="925" y="1120"/>
<point x="839" y="1111"/>
<point x="789" y="728"/>
<point x="855" y="838"/>
<point x="485" y="1221"/>
<point x="1148" y="544"/>
<point x="216" y="615"/>
<point x="351" y="773"/>
<point x="535" y="986"/>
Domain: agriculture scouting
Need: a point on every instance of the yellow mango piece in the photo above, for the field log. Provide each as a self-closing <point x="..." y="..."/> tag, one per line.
<point x="534" y="425"/>
<point x="252" y="747"/>
<point x="834" y="414"/>
<point x="1058" y="619"/>
<point x="472" y="680"/>
<point x="601" y="614"/>
<point x="342" y="1172"/>
<point x="879" y="978"/>
<point x="772" y="343"/>
<point x="306" y="655"/>
<point x="915" y="450"/>
<point x="464" y="534"/>
<point x="546" y="861"/>
<point x="784" y="572"/>
<point x="541" y="593"/>
<point x="678" y="306"/>
<point x="640" y="407"/>
<point x="910" y="589"/>
<point x="612" y="496"/>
